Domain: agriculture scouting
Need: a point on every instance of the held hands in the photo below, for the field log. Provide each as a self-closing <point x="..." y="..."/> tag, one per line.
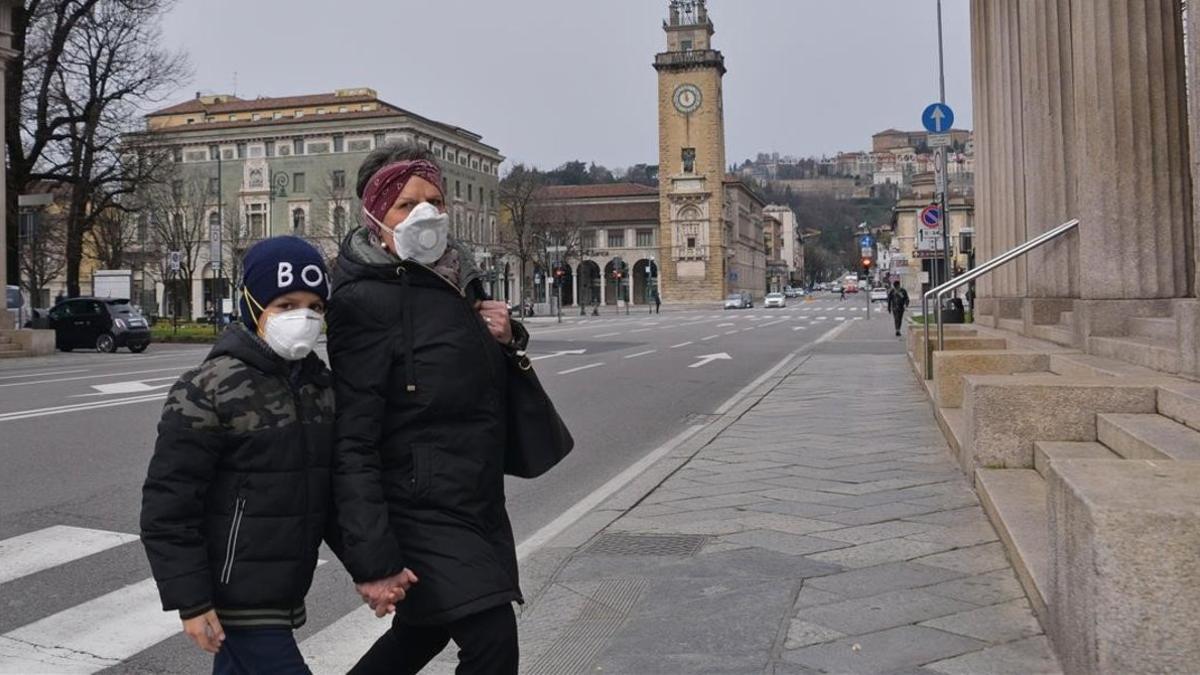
<point x="383" y="594"/>
<point x="495" y="315"/>
<point x="205" y="630"/>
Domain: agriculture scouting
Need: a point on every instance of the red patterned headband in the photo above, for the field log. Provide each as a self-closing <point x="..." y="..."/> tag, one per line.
<point x="387" y="184"/>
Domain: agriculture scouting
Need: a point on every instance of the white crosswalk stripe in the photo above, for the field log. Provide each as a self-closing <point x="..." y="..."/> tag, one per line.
<point x="92" y="636"/>
<point x="104" y="631"/>
<point x="36" y="551"/>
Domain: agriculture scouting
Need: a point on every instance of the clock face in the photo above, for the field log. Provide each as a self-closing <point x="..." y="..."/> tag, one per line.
<point x="687" y="98"/>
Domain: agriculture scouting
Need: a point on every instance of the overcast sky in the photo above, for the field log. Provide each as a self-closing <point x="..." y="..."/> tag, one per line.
<point x="548" y="81"/>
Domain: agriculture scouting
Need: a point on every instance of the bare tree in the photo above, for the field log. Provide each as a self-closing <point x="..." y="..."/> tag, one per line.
<point x="178" y="209"/>
<point x="520" y="198"/>
<point x="90" y="68"/>
<point x="43" y="254"/>
<point x="113" y="237"/>
<point x="236" y="237"/>
<point x="338" y="211"/>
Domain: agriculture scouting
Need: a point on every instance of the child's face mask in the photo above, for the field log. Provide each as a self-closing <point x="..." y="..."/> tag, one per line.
<point x="293" y="334"/>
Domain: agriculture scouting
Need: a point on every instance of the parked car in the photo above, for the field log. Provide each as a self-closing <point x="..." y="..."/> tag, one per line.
<point x="835" y="288"/>
<point x="775" y="300"/>
<point x="739" y="301"/>
<point x="789" y="292"/>
<point x="879" y="294"/>
<point x="102" y="324"/>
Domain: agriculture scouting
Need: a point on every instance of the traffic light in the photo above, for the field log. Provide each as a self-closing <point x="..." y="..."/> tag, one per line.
<point x="866" y="267"/>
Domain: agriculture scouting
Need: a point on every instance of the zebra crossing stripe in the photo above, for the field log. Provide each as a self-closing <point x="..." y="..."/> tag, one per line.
<point x="338" y="646"/>
<point x="92" y="636"/>
<point x="53" y="546"/>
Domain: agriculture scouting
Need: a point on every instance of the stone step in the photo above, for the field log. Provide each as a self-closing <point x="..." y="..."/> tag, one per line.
<point x="1013" y="325"/>
<point x="1045" y="452"/>
<point x="1135" y="436"/>
<point x="1158" y="355"/>
<point x="1181" y="402"/>
<point x="1015" y="502"/>
<point x="1068" y="318"/>
<point x="1059" y="334"/>
<point x="1086" y="365"/>
<point x="19" y="354"/>
<point x="954" y="427"/>
<point x="9" y="347"/>
<point x="1156" y="328"/>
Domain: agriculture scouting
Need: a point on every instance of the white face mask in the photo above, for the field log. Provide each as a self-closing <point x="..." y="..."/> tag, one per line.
<point x="421" y="236"/>
<point x="293" y="334"/>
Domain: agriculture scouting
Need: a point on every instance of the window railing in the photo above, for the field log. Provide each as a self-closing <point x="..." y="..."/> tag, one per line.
<point x="690" y="253"/>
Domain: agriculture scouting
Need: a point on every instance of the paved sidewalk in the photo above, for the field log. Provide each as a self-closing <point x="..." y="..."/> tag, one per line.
<point x="823" y="529"/>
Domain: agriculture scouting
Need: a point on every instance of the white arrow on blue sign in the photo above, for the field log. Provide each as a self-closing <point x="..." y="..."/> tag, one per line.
<point x="938" y="118"/>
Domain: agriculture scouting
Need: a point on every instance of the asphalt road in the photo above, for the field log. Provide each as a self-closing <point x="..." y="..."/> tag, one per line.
<point x="76" y="431"/>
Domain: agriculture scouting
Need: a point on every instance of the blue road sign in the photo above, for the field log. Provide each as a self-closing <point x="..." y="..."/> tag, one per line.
<point x="938" y="118"/>
<point x="867" y="240"/>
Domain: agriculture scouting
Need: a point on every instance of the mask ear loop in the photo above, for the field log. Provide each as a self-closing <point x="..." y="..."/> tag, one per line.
<point x="252" y="304"/>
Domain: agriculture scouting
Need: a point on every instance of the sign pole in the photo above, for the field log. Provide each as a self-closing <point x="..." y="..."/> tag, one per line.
<point x="947" y="272"/>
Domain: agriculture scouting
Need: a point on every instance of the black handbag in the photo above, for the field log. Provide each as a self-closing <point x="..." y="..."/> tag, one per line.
<point x="537" y="437"/>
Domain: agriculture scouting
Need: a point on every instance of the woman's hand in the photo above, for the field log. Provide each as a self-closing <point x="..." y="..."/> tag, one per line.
<point x="495" y="315"/>
<point x="383" y="594"/>
<point x="205" y="630"/>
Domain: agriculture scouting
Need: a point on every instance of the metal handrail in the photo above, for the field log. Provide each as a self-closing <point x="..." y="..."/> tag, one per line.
<point x="974" y="274"/>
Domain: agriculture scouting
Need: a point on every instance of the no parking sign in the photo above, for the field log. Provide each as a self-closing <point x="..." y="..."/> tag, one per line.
<point x="931" y="216"/>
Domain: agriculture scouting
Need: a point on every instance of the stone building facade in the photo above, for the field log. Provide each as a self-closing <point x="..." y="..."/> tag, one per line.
<point x="289" y="165"/>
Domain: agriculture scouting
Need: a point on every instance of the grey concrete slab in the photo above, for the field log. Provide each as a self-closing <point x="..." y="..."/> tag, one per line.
<point x="1005" y="622"/>
<point x="886" y="610"/>
<point x="861" y="583"/>
<point x="970" y="560"/>
<point x="880" y="552"/>
<point x="793" y="544"/>
<point x="884" y="652"/>
<point x="982" y="589"/>
<point x="1031" y="656"/>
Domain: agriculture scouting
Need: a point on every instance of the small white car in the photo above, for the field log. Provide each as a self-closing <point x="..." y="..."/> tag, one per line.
<point x="775" y="300"/>
<point x="879" y="294"/>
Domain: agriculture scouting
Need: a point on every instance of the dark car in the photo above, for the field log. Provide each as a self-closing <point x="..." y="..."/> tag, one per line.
<point x="101" y="324"/>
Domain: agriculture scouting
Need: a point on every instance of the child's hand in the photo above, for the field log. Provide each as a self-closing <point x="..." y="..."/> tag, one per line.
<point x="205" y="630"/>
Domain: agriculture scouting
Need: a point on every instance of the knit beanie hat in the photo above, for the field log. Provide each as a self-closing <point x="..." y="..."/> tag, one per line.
<point x="278" y="266"/>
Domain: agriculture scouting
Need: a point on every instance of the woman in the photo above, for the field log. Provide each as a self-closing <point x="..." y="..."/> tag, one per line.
<point x="419" y="355"/>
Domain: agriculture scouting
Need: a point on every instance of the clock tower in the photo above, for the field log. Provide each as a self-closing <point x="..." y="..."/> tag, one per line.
<point x="691" y="158"/>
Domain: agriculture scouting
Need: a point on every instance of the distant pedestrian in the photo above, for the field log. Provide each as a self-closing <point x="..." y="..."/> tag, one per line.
<point x="657" y="300"/>
<point x="843" y="293"/>
<point x="238" y="492"/>
<point x="897" y="302"/>
<point x="59" y="298"/>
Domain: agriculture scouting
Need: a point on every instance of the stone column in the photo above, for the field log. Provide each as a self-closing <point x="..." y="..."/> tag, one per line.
<point x="999" y="146"/>
<point x="1048" y="120"/>
<point x="1131" y="139"/>
<point x="1193" y="48"/>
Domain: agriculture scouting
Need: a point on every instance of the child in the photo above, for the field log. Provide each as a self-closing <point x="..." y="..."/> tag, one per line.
<point x="237" y="496"/>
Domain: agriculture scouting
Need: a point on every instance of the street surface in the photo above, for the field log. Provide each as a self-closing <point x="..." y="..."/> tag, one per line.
<point x="78" y="430"/>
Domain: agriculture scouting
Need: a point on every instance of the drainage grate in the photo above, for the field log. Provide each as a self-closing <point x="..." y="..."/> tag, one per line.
<point x="617" y="543"/>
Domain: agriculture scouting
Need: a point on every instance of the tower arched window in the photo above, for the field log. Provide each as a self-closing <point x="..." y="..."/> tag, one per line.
<point x="298" y="222"/>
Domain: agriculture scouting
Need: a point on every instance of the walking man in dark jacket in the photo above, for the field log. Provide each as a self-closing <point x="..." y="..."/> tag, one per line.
<point x="237" y="495"/>
<point x="897" y="302"/>
<point x="420" y="356"/>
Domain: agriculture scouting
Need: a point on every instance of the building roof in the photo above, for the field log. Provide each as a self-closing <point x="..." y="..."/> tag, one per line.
<point x="223" y="104"/>
<point x="604" y="190"/>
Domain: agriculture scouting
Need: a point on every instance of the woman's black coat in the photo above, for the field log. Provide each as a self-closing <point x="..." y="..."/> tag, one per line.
<point x="419" y="461"/>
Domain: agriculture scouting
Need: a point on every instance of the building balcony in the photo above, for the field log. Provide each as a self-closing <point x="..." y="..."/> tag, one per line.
<point x="693" y="253"/>
<point x="698" y="58"/>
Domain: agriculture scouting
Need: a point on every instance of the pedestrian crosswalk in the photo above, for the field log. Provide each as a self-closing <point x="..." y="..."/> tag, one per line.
<point x="109" y="626"/>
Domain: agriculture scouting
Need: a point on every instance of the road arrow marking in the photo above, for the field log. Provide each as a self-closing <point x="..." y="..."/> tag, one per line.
<point x="565" y="352"/>
<point x="709" y="358"/>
